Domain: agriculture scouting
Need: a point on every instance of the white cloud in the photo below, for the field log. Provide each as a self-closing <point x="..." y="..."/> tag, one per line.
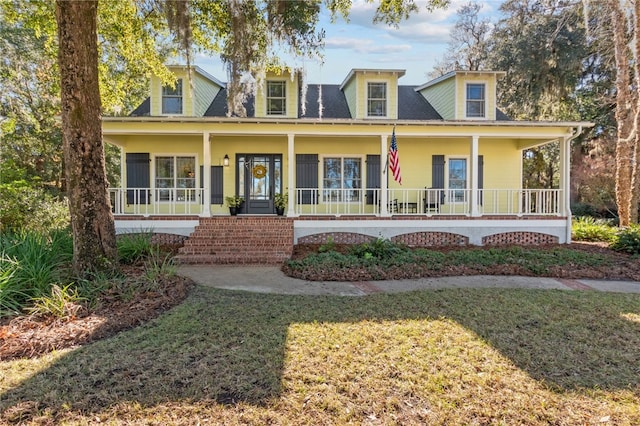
<point x="365" y="46"/>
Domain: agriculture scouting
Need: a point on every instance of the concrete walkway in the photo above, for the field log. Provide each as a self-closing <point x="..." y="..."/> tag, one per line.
<point x="270" y="279"/>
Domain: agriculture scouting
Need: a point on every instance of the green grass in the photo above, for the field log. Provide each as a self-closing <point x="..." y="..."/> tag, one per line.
<point x="454" y="357"/>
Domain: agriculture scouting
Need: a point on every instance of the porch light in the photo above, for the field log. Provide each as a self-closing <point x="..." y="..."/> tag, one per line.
<point x="225" y="160"/>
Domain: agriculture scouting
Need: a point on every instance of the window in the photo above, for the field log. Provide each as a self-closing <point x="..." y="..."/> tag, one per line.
<point x="172" y="98"/>
<point x="276" y="97"/>
<point x="376" y="99"/>
<point x="175" y="173"/>
<point x="457" y="175"/>
<point x="475" y="100"/>
<point x="342" y="179"/>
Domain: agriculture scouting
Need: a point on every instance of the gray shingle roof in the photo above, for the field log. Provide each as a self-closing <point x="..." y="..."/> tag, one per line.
<point x="411" y="105"/>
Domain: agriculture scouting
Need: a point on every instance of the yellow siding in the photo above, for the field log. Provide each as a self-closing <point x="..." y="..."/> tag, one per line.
<point x="442" y="97"/>
<point x="291" y="93"/>
<point x="391" y="79"/>
<point x="187" y="98"/>
<point x="490" y="94"/>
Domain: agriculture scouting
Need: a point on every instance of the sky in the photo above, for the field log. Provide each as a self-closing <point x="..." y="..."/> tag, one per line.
<point x="418" y="44"/>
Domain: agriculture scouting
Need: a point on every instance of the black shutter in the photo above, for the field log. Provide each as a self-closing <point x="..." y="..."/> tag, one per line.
<point x="307" y="177"/>
<point x="437" y="171"/>
<point x="373" y="177"/>
<point x="138" y="176"/>
<point x="480" y="176"/>
<point x="216" y="184"/>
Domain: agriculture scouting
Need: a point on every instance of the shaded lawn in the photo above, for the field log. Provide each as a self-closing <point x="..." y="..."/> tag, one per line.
<point x="459" y="356"/>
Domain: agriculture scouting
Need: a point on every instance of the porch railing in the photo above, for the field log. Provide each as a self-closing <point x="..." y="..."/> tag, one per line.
<point x="411" y="201"/>
<point x="339" y="202"/>
<point x="156" y="201"/>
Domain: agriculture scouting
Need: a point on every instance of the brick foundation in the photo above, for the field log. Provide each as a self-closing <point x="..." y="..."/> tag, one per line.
<point x="520" y="238"/>
<point x="239" y="239"/>
<point x="430" y="239"/>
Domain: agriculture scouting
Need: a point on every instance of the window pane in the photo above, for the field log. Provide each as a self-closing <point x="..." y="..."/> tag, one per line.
<point x="377" y="99"/>
<point x="458" y="177"/>
<point x="172" y="98"/>
<point x="173" y="91"/>
<point x="475" y="91"/>
<point x="276" y="98"/>
<point x="475" y="100"/>
<point x="164" y="167"/>
<point x="172" y="105"/>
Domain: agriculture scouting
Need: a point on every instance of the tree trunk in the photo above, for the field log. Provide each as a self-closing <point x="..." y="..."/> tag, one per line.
<point x="635" y="178"/>
<point x="624" y="147"/>
<point x="94" y="240"/>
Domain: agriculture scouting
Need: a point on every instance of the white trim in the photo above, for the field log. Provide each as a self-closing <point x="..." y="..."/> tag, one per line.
<point x="364" y="71"/>
<point x="178" y="227"/>
<point x="475" y="230"/>
<point x="447" y="159"/>
<point x="450" y="74"/>
<point x="485" y="85"/>
<point x="162" y="113"/>
<point x="321" y="188"/>
<point x="153" y="176"/>
<point x="266" y="96"/>
<point x="386" y="99"/>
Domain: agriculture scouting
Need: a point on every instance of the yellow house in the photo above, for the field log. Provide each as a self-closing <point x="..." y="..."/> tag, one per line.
<point x="326" y="147"/>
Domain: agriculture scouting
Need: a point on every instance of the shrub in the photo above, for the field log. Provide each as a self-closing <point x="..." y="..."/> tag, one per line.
<point x="133" y="248"/>
<point x="30" y="263"/>
<point x="586" y="228"/>
<point x="27" y="206"/>
<point x="628" y="240"/>
<point x="62" y="302"/>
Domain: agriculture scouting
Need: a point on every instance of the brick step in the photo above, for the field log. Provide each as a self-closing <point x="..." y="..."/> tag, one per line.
<point x="248" y="240"/>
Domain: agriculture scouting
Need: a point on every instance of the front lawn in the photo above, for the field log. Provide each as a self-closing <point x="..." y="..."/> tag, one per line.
<point x="449" y="357"/>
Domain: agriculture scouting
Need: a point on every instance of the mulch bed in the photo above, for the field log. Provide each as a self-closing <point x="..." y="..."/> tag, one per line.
<point x="30" y="335"/>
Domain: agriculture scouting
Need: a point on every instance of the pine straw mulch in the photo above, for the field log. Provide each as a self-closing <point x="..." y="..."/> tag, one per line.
<point x="32" y="335"/>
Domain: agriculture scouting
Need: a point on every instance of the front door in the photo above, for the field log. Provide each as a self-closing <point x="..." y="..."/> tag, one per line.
<point x="259" y="178"/>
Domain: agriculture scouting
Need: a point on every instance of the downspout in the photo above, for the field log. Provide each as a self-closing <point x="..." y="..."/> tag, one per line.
<point x="567" y="189"/>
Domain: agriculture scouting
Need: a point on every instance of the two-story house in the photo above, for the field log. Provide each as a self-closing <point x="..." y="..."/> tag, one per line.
<point x="326" y="146"/>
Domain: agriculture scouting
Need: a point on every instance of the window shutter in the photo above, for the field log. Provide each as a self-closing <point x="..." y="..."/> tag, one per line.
<point x="437" y="171"/>
<point x="138" y="176"/>
<point x="373" y="177"/>
<point x="216" y="184"/>
<point x="437" y="174"/>
<point x="307" y="177"/>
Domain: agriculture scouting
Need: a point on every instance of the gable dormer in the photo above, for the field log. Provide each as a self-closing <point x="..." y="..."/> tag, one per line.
<point x="463" y="95"/>
<point x="372" y="93"/>
<point x="278" y="95"/>
<point x="184" y="98"/>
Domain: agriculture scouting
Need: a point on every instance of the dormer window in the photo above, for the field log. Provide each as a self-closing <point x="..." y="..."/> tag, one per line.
<point x="276" y="97"/>
<point x="376" y="99"/>
<point x="172" y="98"/>
<point x="476" y="100"/>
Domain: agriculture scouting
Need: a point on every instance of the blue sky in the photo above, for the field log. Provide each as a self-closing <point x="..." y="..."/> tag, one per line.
<point x="415" y="47"/>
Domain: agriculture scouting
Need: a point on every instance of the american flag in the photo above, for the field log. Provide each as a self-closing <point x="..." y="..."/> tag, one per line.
<point x="394" y="160"/>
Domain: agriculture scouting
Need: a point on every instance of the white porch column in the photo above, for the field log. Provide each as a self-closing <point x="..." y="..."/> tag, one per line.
<point x="291" y="190"/>
<point x="565" y="177"/>
<point x="384" y="153"/>
<point x="474" y="176"/>
<point x="206" y="175"/>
